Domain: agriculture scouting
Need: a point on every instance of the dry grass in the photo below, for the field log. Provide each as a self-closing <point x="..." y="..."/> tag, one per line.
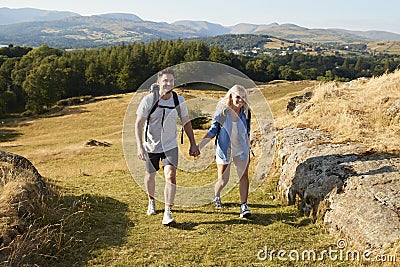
<point x="99" y="217"/>
<point x="354" y="112"/>
<point x="31" y="223"/>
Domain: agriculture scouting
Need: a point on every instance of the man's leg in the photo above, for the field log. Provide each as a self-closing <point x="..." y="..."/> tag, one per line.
<point x="170" y="186"/>
<point x="149" y="182"/>
<point x="152" y="165"/>
<point x="170" y="163"/>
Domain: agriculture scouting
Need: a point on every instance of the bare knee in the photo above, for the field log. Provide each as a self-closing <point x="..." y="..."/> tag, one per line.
<point x="170" y="174"/>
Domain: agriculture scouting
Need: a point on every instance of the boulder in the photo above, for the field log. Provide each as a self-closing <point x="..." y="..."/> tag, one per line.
<point x="14" y="164"/>
<point x="21" y="191"/>
<point x="352" y="190"/>
<point x="296" y="100"/>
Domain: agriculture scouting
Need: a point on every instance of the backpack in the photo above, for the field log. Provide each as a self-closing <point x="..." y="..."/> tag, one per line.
<point x="154" y="89"/>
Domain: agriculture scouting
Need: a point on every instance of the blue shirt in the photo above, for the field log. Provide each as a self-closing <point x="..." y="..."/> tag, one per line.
<point x="223" y="142"/>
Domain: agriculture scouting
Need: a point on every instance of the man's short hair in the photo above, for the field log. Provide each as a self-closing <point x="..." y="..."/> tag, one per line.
<point x="165" y="71"/>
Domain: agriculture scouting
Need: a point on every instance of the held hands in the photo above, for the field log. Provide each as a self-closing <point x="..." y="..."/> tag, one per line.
<point x="194" y="150"/>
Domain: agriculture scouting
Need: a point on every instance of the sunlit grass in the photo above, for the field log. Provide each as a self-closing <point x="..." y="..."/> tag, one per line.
<point x="114" y="229"/>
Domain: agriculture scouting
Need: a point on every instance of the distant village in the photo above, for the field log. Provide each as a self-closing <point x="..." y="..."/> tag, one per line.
<point x="297" y="46"/>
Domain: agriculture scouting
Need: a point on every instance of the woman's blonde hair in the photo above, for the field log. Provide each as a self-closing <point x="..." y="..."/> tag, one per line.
<point x="226" y="101"/>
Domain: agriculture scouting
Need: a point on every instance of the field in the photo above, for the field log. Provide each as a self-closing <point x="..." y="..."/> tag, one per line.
<point x="389" y="47"/>
<point x="106" y="223"/>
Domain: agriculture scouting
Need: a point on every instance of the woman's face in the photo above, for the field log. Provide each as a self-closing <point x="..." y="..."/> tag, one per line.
<point x="238" y="99"/>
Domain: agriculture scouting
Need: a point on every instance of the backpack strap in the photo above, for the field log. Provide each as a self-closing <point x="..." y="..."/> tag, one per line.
<point x="220" y="123"/>
<point x="178" y="109"/>
<point x="248" y="121"/>
<point x="176" y="103"/>
<point x="222" y="120"/>
<point x="155" y="105"/>
<point x="153" y="108"/>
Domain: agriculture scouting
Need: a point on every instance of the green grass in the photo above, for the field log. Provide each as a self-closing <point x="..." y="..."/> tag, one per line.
<point x="109" y="227"/>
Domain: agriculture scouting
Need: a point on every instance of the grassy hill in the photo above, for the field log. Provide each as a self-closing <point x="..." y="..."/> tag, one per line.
<point x="357" y="111"/>
<point x="108" y="225"/>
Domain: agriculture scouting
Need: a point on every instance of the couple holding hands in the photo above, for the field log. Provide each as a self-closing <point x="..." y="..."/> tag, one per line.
<point x="157" y="123"/>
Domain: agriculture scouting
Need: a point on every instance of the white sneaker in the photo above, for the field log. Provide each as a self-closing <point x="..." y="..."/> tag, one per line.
<point x="151" y="209"/>
<point x="167" y="219"/>
<point x="217" y="203"/>
<point x="244" y="211"/>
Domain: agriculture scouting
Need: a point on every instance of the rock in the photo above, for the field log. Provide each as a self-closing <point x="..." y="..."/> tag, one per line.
<point x="301" y="109"/>
<point x="312" y="167"/>
<point x="92" y="142"/>
<point x="15" y="164"/>
<point x="21" y="192"/>
<point x="296" y="100"/>
<point x="368" y="211"/>
<point x="393" y="112"/>
<point x="350" y="189"/>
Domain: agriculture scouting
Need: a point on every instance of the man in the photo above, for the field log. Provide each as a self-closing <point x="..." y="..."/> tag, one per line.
<point x="160" y="139"/>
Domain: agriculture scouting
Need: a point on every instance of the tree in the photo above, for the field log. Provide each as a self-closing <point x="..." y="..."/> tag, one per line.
<point x="286" y="73"/>
<point x="357" y="67"/>
<point x="44" y="86"/>
<point x="345" y="64"/>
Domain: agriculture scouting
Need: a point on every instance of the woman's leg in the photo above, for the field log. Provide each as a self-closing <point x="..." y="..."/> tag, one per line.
<point x="242" y="169"/>
<point x="223" y="178"/>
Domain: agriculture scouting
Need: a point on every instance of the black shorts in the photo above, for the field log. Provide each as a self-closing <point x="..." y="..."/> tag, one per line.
<point x="169" y="157"/>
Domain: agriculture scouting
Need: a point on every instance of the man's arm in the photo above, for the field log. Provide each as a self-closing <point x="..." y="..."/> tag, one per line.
<point x="187" y="126"/>
<point x="139" y="125"/>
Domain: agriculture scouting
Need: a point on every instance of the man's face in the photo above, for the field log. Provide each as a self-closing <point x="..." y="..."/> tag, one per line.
<point x="166" y="83"/>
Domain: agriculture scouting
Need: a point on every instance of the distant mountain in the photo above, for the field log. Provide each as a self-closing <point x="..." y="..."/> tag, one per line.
<point x="121" y="16"/>
<point x="203" y="28"/>
<point x="295" y="32"/>
<point x="11" y="15"/>
<point x="376" y="35"/>
<point x="90" y="31"/>
<point x="71" y="30"/>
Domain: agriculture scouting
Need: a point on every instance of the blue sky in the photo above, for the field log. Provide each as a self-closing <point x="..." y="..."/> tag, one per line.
<point x="345" y="14"/>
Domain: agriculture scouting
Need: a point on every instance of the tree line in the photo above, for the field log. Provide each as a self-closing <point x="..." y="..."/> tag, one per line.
<point x="35" y="79"/>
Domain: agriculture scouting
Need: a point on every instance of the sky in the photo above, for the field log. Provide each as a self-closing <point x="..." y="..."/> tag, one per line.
<point x="345" y="14"/>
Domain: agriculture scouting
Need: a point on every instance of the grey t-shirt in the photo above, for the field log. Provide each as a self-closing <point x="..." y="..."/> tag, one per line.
<point x="161" y="138"/>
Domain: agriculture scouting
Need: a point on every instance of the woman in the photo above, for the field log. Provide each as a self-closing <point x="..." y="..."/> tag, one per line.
<point x="231" y="127"/>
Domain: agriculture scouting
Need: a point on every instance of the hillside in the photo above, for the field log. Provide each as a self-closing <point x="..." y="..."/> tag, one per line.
<point x="110" y="226"/>
<point x="363" y="110"/>
<point x="295" y="32"/>
<point x="17" y="15"/>
<point x="32" y="27"/>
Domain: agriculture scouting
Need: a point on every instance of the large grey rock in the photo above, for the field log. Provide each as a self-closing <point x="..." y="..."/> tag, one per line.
<point x="14" y="164"/>
<point x="311" y="166"/>
<point x="368" y="210"/>
<point x="351" y="189"/>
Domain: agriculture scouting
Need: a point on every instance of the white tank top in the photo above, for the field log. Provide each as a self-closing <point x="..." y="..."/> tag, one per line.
<point x="236" y="149"/>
